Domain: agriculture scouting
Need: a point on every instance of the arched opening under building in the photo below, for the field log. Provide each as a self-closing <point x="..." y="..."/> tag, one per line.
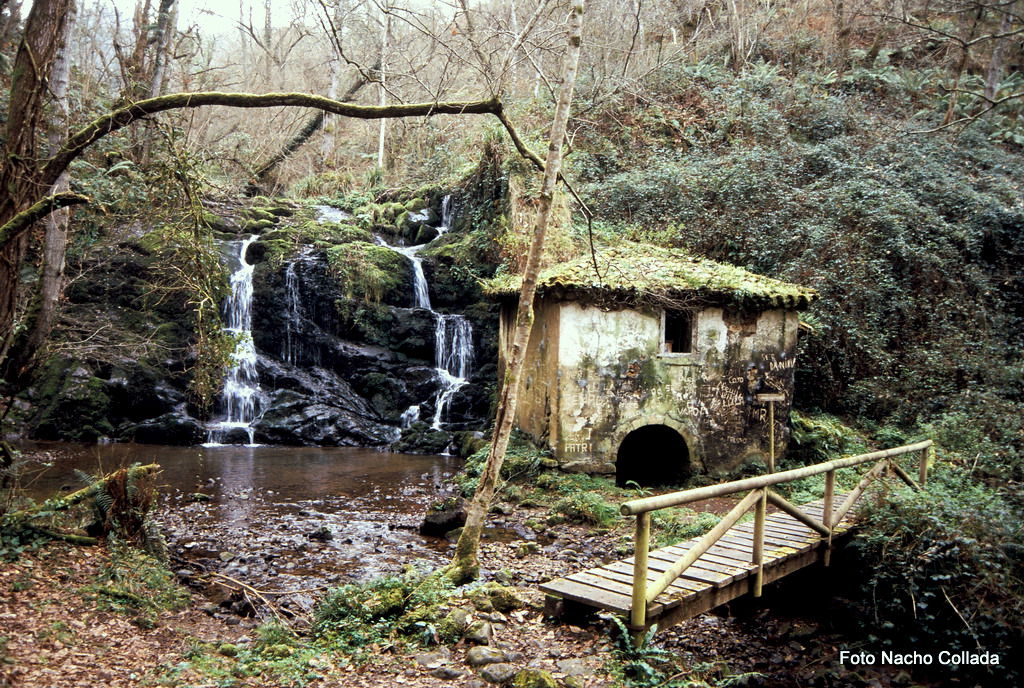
<point x="652" y="455"/>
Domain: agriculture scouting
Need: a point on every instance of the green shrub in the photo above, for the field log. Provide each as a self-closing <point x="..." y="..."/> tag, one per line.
<point x="587" y="507"/>
<point x="356" y="615"/>
<point x="134" y="582"/>
<point x="819" y="437"/>
<point x="523" y="462"/>
<point x="946" y="569"/>
<point x="669" y="526"/>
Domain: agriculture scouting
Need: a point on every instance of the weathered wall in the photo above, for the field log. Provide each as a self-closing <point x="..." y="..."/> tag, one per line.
<point x="610" y="378"/>
<point x="536" y="410"/>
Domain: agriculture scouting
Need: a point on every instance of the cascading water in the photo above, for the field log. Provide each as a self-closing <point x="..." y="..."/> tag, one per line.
<point x="453" y="334"/>
<point x="293" y="308"/>
<point x="241" y="395"/>
<point x="447" y="213"/>
<point x="453" y="359"/>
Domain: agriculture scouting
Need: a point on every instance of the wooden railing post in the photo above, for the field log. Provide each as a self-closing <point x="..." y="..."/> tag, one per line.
<point x="922" y="469"/>
<point x="826" y="512"/>
<point x="757" y="552"/>
<point x="641" y="546"/>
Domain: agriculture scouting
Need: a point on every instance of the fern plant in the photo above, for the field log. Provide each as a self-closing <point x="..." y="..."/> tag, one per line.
<point x="641" y="662"/>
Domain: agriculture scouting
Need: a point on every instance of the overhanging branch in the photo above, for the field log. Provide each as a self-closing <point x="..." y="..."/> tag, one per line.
<point x="20" y="222"/>
<point x="122" y="117"/>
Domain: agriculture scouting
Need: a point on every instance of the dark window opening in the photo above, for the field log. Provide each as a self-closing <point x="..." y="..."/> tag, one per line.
<point x="653" y="455"/>
<point x="678" y="332"/>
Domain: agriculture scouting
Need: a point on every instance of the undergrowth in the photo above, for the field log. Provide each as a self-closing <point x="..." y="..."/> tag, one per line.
<point x="945" y="569"/>
<point x="135" y="583"/>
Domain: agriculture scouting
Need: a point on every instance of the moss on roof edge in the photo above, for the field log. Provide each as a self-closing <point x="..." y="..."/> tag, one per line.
<point x="643" y="274"/>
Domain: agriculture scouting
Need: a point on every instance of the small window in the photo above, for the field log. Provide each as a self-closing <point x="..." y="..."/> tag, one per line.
<point x="678" y="332"/>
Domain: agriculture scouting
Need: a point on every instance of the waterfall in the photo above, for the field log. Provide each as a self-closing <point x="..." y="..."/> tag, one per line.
<point x="410" y="415"/>
<point x="241" y="395"/>
<point x="453" y="358"/>
<point x="293" y="307"/>
<point x="420" y="288"/>
<point x="453" y="334"/>
<point x="447" y="213"/>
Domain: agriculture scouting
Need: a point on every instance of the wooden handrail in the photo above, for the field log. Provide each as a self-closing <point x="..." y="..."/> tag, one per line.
<point x="702" y="546"/>
<point x="759" y="496"/>
<point x="637" y="506"/>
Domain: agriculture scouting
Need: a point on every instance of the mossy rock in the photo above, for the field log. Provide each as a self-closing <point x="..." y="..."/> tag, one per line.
<point x="280" y="651"/>
<point x="227" y="649"/>
<point x="368" y="272"/>
<point x="495" y="596"/>
<point x="258" y="214"/>
<point x="336" y="233"/>
<point x="420" y="438"/>
<point x="216" y="222"/>
<point x="534" y="678"/>
<point x="277" y="210"/>
<point x="454" y="624"/>
<point x="277" y="250"/>
<point x="258" y="226"/>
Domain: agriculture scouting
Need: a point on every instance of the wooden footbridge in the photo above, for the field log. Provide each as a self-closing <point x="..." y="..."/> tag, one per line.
<point x="671" y="584"/>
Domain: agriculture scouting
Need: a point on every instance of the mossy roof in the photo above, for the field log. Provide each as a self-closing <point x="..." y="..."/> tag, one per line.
<point x="636" y="273"/>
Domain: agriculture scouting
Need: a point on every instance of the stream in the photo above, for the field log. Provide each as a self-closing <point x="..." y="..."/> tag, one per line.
<point x="276" y="517"/>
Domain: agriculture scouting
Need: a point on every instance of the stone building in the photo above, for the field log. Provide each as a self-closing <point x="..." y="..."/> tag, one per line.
<point x="647" y="362"/>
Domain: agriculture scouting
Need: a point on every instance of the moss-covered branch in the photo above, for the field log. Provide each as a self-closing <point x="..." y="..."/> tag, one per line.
<point x="41" y="209"/>
<point x="122" y="117"/>
<point x="16" y="518"/>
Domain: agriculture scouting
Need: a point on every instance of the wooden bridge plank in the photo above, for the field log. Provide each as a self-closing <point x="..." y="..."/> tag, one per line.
<point x="590" y="590"/>
<point x="784" y="529"/>
<point x="771" y="547"/>
<point x="671" y="555"/>
<point x="662" y="563"/>
<point x="725" y="566"/>
<point x="779" y="538"/>
<point x="681" y="587"/>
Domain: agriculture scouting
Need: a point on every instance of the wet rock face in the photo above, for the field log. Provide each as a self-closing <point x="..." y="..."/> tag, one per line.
<point x="340" y="371"/>
<point x="337" y="366"/>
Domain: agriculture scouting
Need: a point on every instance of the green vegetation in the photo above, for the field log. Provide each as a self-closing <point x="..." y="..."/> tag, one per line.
<point x="945" y="570"/>
<point x="643" y="273"/>
<point x="355" y="616"/>
<point x="908" y="240"/>
<point x="133" y="582"/>
<point x="366" y="271"/>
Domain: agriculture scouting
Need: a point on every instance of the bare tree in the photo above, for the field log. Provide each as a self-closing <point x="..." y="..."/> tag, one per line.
<point x="465" y="565"/>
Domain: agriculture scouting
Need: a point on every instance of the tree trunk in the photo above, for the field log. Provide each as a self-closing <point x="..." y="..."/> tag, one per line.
<point x="961" y="67"/>
<point x="312" y="125"/>
<point x="466" y="565"/>
<point x="162" y="41"/>
<point x="384" y="40"/>
<point x="20" y="179"/>
<point x="338" y="27"/>
<point x="55" y="241"/>
<point x="994" y="74"/>
<point x="842" y="29"/>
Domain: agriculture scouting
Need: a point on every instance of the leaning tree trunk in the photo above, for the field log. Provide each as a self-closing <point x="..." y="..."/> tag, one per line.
<point x="466" y="565"/>
<point x="19" y="176"/>
<point x="262" y="178"/>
